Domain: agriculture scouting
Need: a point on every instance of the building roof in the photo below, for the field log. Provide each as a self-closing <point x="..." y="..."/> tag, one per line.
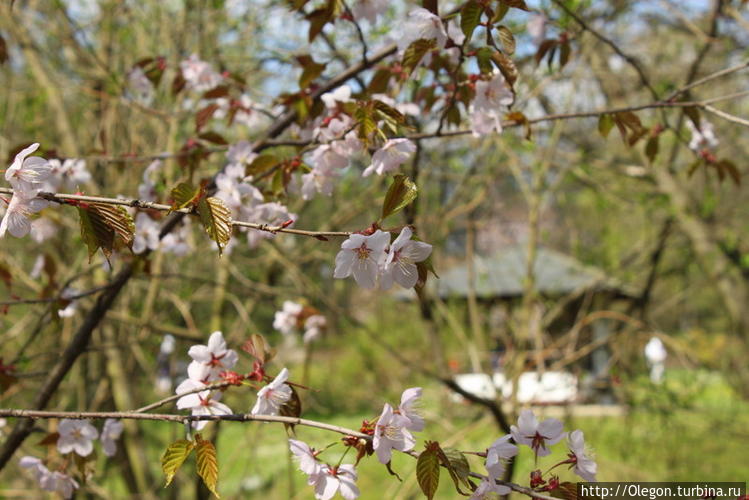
<point x="502" y="275"/>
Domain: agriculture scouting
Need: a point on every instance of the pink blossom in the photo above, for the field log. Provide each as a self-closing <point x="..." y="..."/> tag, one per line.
<point x="390" y="156"/>
<point x="203" y="402"/>
<point x="391" y="434"/>
<point x="17" y="218"/>
<point x="539" y="436"/>
<point x="307" y="461"/>
<point x="27" y="175"/>
<point x="584" y="465"/>
<point x="274" y="395"/>
<point x="212" y="359"/>
<point x="76" y="436"/>
<point x="421" y="23"/>
<point x="498" y="453"/>
<point x="402" y="257"/>
<point x="409" y="400"/>
<point x="331" y="480"/>
<point x="199" y="75"/>
<point x="109" y="436"/>
<point x="362" y="256"/>
<point x="491" y="102"/>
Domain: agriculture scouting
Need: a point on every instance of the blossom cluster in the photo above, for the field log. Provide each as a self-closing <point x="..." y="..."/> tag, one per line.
<point x="376" y="262"/>
<point x="74" y="436"/>
<point x="294" y="317"/>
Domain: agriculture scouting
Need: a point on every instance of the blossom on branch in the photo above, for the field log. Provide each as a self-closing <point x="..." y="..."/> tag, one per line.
<point x="421" y="23"/>
<point x="27" y="175"/>
<point x="391" y="434"/>
<point x="488" y="488"/>
<point x="203" y="402"/>
<point x="273" y="396"/>
<point x="199" y="75"/>
<point x="109" y="436"/>
<point x="584" y="465"/>
<point x="307" y="461"/>
<point x="76" y="436"/>
<point x="369" y="9"/>
<point x="409" y="399"/>
<point x="537" y="435"/>
<point x="402" y="256"/>
<point x="49" y="481"/>
<point x="362" y="256"/>
<point x="390" y="156"/>
<point x="17" y="218"/>
<point x="331" y="480"/>
<point x="491" y="102"/>
<point x="498" y="453"/>
<point x="212" y="359"/>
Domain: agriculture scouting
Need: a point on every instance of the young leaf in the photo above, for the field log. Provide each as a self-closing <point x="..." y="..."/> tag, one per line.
<point x="216" y="219"/>
<point x="506" y="67"/>
<point x="203" y="115"/>
<point x="401" y="192"/>
<point x="207" y="463"/>
<point x="173" y="458"/>
<point x="416" y="52"/>
<point x="470" y="17"/>
<point x="310" y="70"/>
<point x="104" y="225"/>
<point x="518" y="4"/>
<point x="605" y="124"/>
<point x="262" y="164"/>
<point x="507" y="39"/>
<point x="214" y="138"/>
<point x="651" y="148"/>
<point x="428" y="470"/>
<point x="184" y="195"/>
<point x="3" y="50"/>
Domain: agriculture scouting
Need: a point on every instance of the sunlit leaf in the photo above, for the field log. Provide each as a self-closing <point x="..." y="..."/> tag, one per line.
<point x="207" y="463"/>
<point x="457" y="465"/>
<point x="216" y="219"/>
<point x="401" y="192"/>
<point x="470" y="17"/>
<point x="184" y="195"/>
<point x="506" y="67"/>
<point x="173" y="458"/>
<point x="428" y="470"/>
<point x="518" y="4"/>
<point x="507" y="39"/>
<point x="416" y="52"/>
<point x="605" y="124"/>
<point x="103" y="226"/>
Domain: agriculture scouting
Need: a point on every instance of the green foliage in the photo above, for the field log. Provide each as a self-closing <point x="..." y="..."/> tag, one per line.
<point x="401" y="193"/>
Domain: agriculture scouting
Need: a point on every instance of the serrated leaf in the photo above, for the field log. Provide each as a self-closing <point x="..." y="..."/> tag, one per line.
<point x="428" y="471"/>
<point x="470" y="17"/>
<point x="565" y="491"/>
<point x="416" y="52"/>
<point x="173" y="458"/>
<point x="207" y="463"/>
<point x="457" y="465"/>
<point x="389" y="112"/>
<point x="605" y="124"/>
<point x="507" y="39"/>
<point x="216" y="219"/>
<point x="291" y="408"/>
<point x="366" y="123"/>
<point x="401" y="192"/>
<point x="317" y="21"/>
<point x="184" y="195"/>
<point x="103" y="225"/>
<point x="262" y="164"/>
<point x="257" y="347"/>
<point x="506" y="67"/>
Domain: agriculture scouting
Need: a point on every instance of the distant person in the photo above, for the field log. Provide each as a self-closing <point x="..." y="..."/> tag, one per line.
<point x="655" y="354"/>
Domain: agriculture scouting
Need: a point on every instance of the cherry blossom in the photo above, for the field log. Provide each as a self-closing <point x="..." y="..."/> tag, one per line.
<point x="147" y="188"/>
<point x="390" y="156"/>
<point x="271" y="397"/>
<point x="487" y="488"/>
<point x="584" y="465"/>
<point x="200" y="403"/>
<point x="369" y="9"/>
<point x="241" y="154"/>
<point x="110" y="433"/>
<point x="27" y="175"/>
<point x="313" y="327"/>
<point x="391" y="434"/>
<point x="406" y="409"/>
<point x="139" y="87"/>
<point x="492" y="99"/>
<point x="49" y="481"/>
<point x="199" y="75"/>
<point x="334" y="98"/>
<point x="17" y="218"/>
<point x="421" y="24"/>
<point x="35" y="465"/>
<point x="703" y="137"/>
<point x="43" y="228"/>
<point x="69" y="173"/>
<point x="285" y="320"/>
<point x="362" y="256"/>
<point x="307" y="461"/>
<point x="331" y="480"/>
<point x="400" y="264"/>
<point x="212" y="359"/>
<point x="500" y="451"/>
<point x="272" y="214"/>
<point x="537" y="435"/>
<point x="326" y="163"/>
<point x="76" y="436"/>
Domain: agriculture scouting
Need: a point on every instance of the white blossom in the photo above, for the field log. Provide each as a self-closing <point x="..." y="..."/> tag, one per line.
<point x="585" y="466"/>
<point x="307" y="461"/>
<point x="110" y="433"/>
<point x="490" y="104"/>
<point x="203" y="402"/>
<point x="498" y="453"/>
<point x="17" y="218"/>
<point x="391" y="434"/>
<point x="702" y="137"/>
<point x="536" y="27"/>
<point x="362" y="256"/>
<point x="27" y="174"/>
<point x="406" y="409"/>
<point x="212" y="359"/>
<point x="313" y="327"/>
<point x="199" y="75"/>
<point x="539" y="436"/>
<point x="402" y="256"/>
<point x="271" y="397"/>
<point x="331" y="480"/>
<point x="285" y="320"/>
<point x="487" y="488"/>
<point x="338" y="96"/>
<point x="421" y="23"/>
<point x="76" y="436"/>
<point x="390" y="156"/>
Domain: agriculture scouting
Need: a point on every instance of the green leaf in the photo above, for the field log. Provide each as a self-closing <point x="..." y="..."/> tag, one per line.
<point x="457" y="465"/>
<point x="415" y="53"/>
<point x="262" y="164"/>
<point x="605" y="124"/>
<point x="401" y="192"/>
<point x="500" y="12"/>
<point x="103" y="226"/>
<point x="518" y="4"/>
<point x="366" y="123"/>
<point x="428" y="470"/>
<point x="651" y="148"/>
<point x="507" y="39"/>
<point x="184" y="195"/>
<point x="484" y="60"/>
<point x="470" y="17"/>
<point x="173" y="458"/>
<point x="216" y="219"/>
<point x="310" y="70"/>
<point x="207" y="463"/>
